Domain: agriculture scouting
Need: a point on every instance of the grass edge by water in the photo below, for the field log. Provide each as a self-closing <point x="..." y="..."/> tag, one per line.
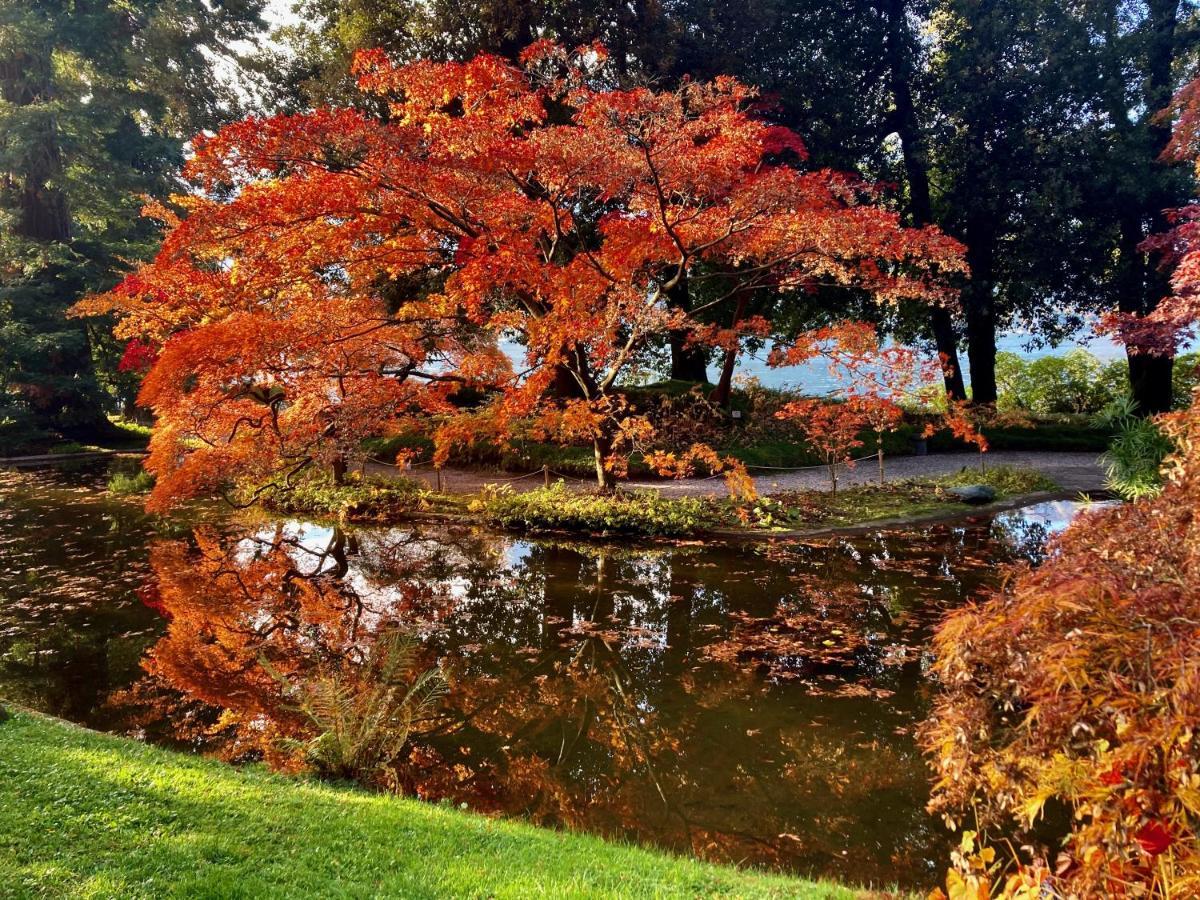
<point x="85" y="814"/>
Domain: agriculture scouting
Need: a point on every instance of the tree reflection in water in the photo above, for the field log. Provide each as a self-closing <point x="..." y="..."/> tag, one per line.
<point x="748" y="704"/>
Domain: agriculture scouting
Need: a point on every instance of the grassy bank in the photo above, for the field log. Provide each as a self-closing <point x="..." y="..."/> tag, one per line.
<point x="863" y="504"/>
<point x="645" y="513"/>
<point x="90" y="815"/>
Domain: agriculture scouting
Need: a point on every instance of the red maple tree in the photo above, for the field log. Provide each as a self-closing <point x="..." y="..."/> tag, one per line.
<point x="338" y="275"/>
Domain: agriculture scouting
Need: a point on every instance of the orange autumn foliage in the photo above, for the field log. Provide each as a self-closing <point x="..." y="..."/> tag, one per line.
<point x="831" y="429"/>
<point x="1077" y="688"/>
<point x="338" y="275"/>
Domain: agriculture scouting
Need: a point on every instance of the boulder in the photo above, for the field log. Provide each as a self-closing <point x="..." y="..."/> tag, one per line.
<point x="973" y="493"/>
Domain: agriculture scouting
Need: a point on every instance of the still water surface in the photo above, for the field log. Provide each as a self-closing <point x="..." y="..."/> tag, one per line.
<point x="751" y="703"/>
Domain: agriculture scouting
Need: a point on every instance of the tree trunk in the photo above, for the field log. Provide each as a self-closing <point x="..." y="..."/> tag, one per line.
<point x="687" y="363"/>
<point x="27" y="80"/>
<point x="916" y="169"/>
<point x="339" y="469"/>
<point x="561" y="577"/>
<point x="565" y="386"/>
<point x="1140" y="289"/>
<point x="1142" y="285"/>
<point x="942" y="325"/>
<point x="979" y="304"/>
<point x="602" y="448"/>
<point x="681" y="596"/>
<point x="724" y="388"/>
<point x="1150" y="382"/>
<point x="981" y="345"/>
<point x="57" y="382"/>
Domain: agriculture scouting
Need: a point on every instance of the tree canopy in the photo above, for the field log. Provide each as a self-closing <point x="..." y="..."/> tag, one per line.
<point x="544" y="204"/>
<point x="96" y="100"/>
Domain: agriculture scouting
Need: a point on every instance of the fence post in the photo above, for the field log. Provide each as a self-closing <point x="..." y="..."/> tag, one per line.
<point x="546" y="476"/>
<point x="438" y="471"/>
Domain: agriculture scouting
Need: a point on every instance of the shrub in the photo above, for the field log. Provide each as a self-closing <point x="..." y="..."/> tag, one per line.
<point x="1134" y="459"/>
<point x="1077" y="382"/>
<point x="1077" y="690"/>
<point x="363" y="718"/>
<point x="139" y="482"/>
<point x="1185" y="378"/>
<point x="20" y="433"/>
<point x="625" y="512"/>
<point x="359" y="499"/>
<point x="1070" y="383"/>
<point x="67" y="447"/>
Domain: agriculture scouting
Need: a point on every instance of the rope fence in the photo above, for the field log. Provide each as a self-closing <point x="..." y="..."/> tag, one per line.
<point x="546" y="472"/>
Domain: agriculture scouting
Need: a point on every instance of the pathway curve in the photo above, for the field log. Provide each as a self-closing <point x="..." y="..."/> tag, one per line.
<point x="1074" y="472"/>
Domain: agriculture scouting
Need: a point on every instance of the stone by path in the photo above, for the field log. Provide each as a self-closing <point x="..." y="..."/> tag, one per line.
<point x="1074" y="472"/>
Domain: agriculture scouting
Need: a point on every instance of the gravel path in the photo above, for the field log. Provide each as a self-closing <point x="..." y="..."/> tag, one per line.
<point x="1073" y="471"/>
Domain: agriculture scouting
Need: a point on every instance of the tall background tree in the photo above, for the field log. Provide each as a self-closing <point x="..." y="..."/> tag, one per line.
<point x="1143" y="53"/>
<point x="1027" y="128"/>
<point x="96" y="100"/>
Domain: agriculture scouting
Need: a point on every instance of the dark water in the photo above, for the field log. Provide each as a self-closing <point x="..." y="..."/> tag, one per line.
<point x="750" y="703"/>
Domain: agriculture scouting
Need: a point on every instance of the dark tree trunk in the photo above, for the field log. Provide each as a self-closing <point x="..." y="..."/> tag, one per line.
<point x="1140" y="288"/>
<point x="562" y="576"/>
<point x="979" y="308"/>
<point x="56" y="382"/>
<point x="26" y="80"/>
<point x="602" y="448"/>
<point x="724" y="388"/>
<point x="679" y="614"/>
<point x="1142" y="285"/>
<point x="946" y="340"/>
<point x="916" y="168"/>
<point x="1150" y="382"/>
<point x="980" y="234"/>
<point x="565" y="385"/>
<point x="339" y="469"/>
<point x="688" y="363"/>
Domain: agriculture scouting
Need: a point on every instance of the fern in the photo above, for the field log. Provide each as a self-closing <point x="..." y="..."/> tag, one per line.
<point x="364" y="717"/>
<point x="1134" y="459"/>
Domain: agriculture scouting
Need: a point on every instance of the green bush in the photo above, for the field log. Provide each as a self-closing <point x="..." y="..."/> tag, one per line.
<point x="1186" y="375"/>
<point x="359" y="499"/>
<point x="1077" y="382"/>
<point x="557" y="508"/>
<point x="1134" y="459"/>
<point x="139" y="482"/>
<point x="68" y="447"/>
<point x="1060" y="433"/>
<point x="1071" y="383"/>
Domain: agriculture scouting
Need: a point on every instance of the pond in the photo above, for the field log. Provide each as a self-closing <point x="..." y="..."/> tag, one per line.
<point x="752" y="703"/>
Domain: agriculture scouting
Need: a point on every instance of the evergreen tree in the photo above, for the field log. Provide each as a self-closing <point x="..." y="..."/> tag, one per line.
<point x="96" y="99"/>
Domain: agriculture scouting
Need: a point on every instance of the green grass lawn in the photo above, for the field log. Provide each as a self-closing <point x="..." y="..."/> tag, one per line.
<point x="90" y="815"/>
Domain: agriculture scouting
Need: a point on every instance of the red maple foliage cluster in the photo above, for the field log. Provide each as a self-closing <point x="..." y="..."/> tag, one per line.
<point x="338" y="274"/>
